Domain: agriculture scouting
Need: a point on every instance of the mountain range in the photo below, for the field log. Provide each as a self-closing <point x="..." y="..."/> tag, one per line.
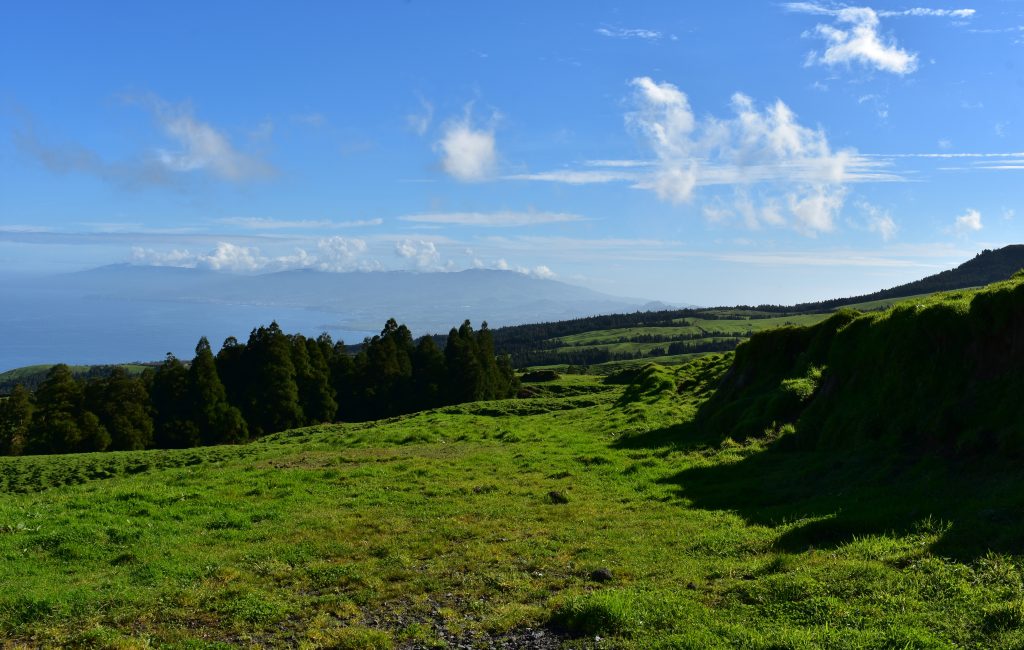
<point x="120" y="312"/>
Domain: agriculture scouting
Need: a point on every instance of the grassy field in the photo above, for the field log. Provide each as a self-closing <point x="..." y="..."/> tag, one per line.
<point x="483" y="524"/>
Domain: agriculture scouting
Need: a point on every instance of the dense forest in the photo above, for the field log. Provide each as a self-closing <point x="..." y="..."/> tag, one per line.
<point x="274" y="381"/>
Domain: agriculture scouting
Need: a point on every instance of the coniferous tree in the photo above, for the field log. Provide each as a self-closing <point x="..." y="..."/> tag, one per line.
<point x="462" y="358"/>
<point x="172" y="413"/>
<point x="60" y="422"/>
<point x="317" y="396"/>
<point x="15" y="419"/>
<point x="428" y="374"/>
<point x="122" y="404"/>
<point x="343" y="375"/>
<point x="499" y="376"/>
<point x="218" y="421"/>
<point x="273" y="395"/>
<point x="232" y="371"/>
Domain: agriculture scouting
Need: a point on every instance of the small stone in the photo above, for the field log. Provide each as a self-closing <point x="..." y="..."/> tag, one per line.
<point x="601" y="575"/>
<point x="557" y="497"/>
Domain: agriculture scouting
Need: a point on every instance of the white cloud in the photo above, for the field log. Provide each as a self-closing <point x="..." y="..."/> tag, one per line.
<point x="542" y="272"/>
<point x="1009" y="213"/>
<point x="855" y="37"/>
<point x="493" y="219"/>
<point x="815" y="207"/>
<point x="341" y="254"/>
<point x="202" y="147"/>
<point x="467" y="154"/>
<point x="260" y="223"/>
<point x="334" y="254"/>
<point x="754" y="146"/>
<point x="620" y="32"/>
<point x="225" y="257"/>
<point x="420" y="122"/>
<point x="969" y="221"/>
<point x="861" y="43"/>
<point x="424" y="254"/>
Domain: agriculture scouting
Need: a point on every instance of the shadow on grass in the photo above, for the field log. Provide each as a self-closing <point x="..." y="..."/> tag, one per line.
<point x="833" y="498"/>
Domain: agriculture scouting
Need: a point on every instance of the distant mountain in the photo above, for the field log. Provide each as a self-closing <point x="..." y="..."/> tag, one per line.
<point x="986" y="267"/>
<point x="119" y="313"/>
<point x="362" y="300"/>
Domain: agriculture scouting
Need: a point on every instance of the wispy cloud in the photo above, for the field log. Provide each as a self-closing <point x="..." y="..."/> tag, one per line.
<point x="493" y="219"/>
<point x="468" y="153"/>
<point x="577" y="177"/>
<point x="201" y="146"/>
<point x="76" y="159"/>
<point x="922" y="11"/>
<point x="420" y="122"/>
<point x="24" y="228"/>
<point x="260" y="223"/>
<point x="315" y="120"/>
<point x="879" y="221"/>
<point x="634" y="33"/>
<point x="618" y="163"/>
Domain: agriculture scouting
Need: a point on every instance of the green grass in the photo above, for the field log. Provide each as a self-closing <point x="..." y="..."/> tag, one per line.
<point x="421" y="530"/>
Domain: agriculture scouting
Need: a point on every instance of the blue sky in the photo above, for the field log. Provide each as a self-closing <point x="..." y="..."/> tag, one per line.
<point x="692" y="152"/>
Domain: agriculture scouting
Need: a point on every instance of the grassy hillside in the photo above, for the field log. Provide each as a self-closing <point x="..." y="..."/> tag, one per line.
<point x="667" y="338"/>
<point x="984" y="268"/>
<point x="31" y="376"/>
<point x="806" y="493"/>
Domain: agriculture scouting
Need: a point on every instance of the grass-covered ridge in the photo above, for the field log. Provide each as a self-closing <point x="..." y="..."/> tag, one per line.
<point x="937" y="374"/>
<point x="728" y="509"/>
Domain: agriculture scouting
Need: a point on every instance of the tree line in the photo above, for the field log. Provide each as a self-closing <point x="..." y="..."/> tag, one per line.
<point x="272" y="382"/>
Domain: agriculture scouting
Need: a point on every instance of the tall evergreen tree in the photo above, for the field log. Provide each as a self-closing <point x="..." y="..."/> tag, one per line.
<point x="218" y="421"/>
<point x="499" y="377"/>
<point x="60" y="423"/>
<point x="233" y="375"/>
<point x="172" y="413"/>
<point x="428" y="374"/>
<point x="343" y="375"/>
<point x="273" y="395"/>
<point x="15" y="419"/>
<point x="317" y="396"/>
<point x="122" y="404"/>
<point x="465" y="375"/>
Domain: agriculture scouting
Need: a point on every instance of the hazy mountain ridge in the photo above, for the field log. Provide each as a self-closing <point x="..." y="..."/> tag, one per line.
<point x="124" y="312"/>
<point x="427" y="301"/>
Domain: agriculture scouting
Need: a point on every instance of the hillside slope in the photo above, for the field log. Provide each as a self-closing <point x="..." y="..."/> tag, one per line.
<point x="939" y="374"/>
<point x="984" y="268"/>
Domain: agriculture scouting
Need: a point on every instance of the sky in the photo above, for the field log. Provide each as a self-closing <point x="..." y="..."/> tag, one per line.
<point x="702" y="153"/>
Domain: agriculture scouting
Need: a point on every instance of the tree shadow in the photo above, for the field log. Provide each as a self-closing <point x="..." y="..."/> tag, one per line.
<point x="827" y="499"/>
